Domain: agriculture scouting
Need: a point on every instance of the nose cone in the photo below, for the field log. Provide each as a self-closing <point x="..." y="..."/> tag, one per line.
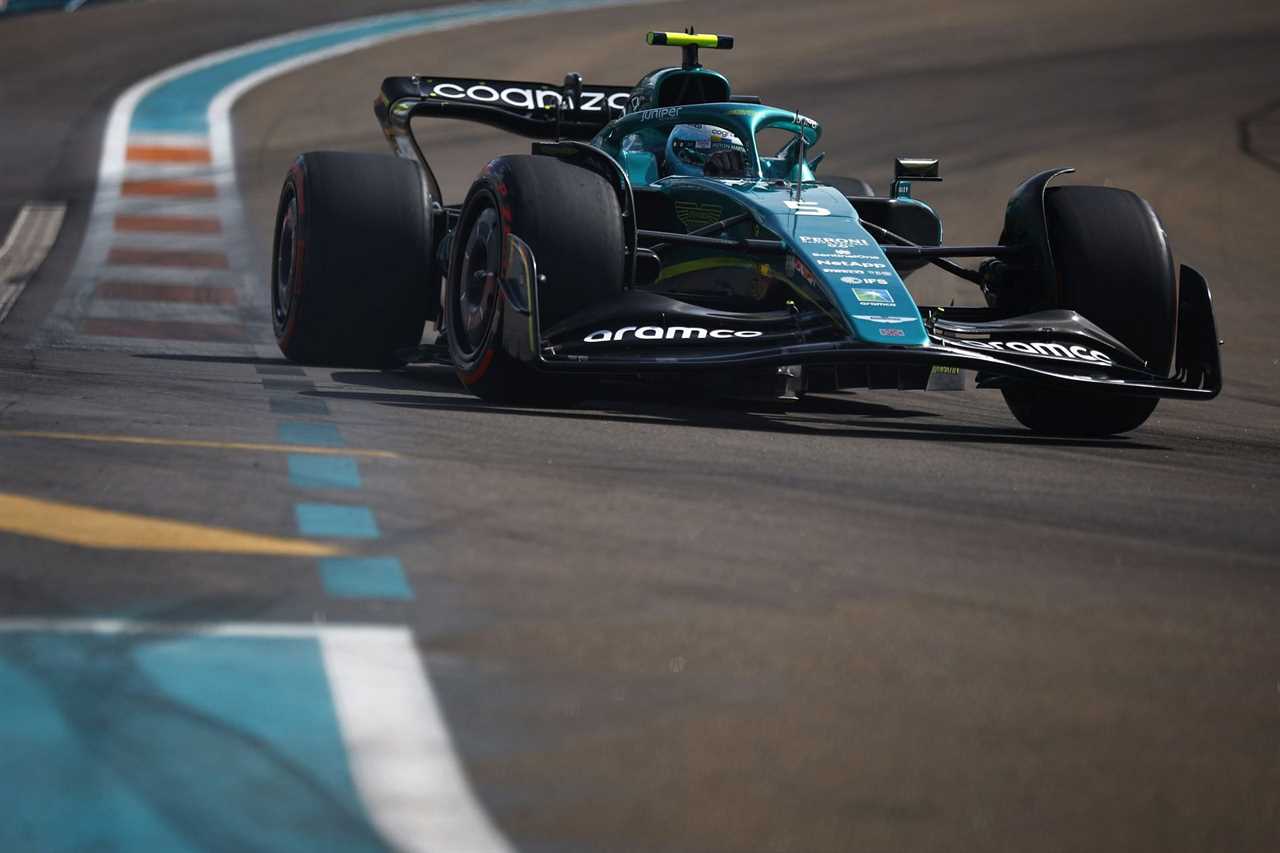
<point x="903" y="329"/>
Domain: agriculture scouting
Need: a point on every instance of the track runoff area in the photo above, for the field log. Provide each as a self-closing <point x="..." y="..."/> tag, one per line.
<point x="339" y="723"/>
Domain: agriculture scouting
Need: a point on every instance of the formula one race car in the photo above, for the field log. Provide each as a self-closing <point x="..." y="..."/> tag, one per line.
<point x="647" y="237"/>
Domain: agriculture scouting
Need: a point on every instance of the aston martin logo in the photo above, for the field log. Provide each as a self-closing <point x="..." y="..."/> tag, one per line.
<point x="695" y="216"/>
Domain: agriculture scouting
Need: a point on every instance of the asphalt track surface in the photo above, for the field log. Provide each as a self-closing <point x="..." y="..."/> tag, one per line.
<point x="874" y="621"/>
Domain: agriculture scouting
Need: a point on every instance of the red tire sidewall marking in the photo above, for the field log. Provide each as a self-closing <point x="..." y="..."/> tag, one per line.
<point x="498" y="187"/>
<point x="481" y="369"/>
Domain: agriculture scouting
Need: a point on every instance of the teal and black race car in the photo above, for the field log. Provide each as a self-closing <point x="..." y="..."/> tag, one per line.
<point x="648" y="237"/>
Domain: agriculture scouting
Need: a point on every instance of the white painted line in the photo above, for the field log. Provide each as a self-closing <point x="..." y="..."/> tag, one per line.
<point x="144" y="206"/>
<point x="398" y="747"/>
<point x="184" y="312"/>
<point x="169" y="240"/>
<point x="155" y="346"/>
<point x="170" y="140"/>
<point x="169" y="172"/>
<point x="168" y="275"/>
<point x="209" y="629"/>
<point x="32" y="236"/>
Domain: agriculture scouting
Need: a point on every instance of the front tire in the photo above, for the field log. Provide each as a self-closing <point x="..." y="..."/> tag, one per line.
<point x="351" y="266"/>
<point x="1114" y="267"/>
<point x="1076" y="413"/>
<point x="571" y="220"/>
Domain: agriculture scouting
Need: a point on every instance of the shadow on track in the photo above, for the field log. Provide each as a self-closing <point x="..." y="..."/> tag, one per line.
<point x="1257" y="132"/>
<point x="216" y="359"/>
<point x="625" y="404"/>
<point x="640" y="405"/>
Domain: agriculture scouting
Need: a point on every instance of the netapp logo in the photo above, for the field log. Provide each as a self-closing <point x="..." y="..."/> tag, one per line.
<point x="671" y="333"/>
<point x="526" y="98"/>
<point x="1073" y="352"/>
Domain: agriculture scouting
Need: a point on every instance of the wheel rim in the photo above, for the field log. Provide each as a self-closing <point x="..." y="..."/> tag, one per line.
<point x="282" y="293"/>
<point x="478" y="282"/>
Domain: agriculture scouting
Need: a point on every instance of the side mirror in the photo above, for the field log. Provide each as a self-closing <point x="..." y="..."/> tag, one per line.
<point x="909" y="169"/>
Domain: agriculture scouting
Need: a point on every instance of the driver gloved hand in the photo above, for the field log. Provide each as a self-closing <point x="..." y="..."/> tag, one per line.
<point x="726" y="164"/>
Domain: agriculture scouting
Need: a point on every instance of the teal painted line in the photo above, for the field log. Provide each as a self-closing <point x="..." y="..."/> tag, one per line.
<point x="14" y="7"/>
<point x="336" y="520"/>
<point x="298" y="406"/>
<point x="365" y="577"/>
<point x="181" y="105"/>
<point x="174" y="743"/>
<point x="323" y="472"/>
<point x="310" y="433"/>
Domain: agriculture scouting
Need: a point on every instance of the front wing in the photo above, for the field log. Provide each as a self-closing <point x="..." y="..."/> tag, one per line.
<point x="643" y="332"/>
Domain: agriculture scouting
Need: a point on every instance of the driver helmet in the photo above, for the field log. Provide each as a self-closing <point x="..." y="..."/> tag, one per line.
<point x="689" y="146"/>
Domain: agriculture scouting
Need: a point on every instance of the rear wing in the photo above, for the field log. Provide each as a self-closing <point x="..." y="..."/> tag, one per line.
<point x="534" y="110"/>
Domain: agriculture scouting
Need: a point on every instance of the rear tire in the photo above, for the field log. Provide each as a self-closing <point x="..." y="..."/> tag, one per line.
<point x="1114" y="267"/>
<point x="351" y="265"/>
<point x="572" y="221"/>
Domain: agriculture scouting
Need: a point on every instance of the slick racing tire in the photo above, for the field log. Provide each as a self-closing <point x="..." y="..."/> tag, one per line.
<point x="351" y="268"/>
<point x="1114" y="267"/>
<point x="571" y="220"/>
<point x="1076" y="413"/>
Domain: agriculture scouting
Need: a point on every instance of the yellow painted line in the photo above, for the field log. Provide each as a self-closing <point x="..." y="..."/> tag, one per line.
<point x="207" y="445"/>
<point x="99" y="528"/>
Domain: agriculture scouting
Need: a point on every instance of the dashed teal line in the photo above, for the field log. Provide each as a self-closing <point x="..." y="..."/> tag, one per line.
<point x="343" y="577"/>
<point x="336" y="520"/>
<point x="298" y="406"/>
<point x="323" y="472"/>
<point x="310" y="433"/>
<point x="365" y="577"/>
